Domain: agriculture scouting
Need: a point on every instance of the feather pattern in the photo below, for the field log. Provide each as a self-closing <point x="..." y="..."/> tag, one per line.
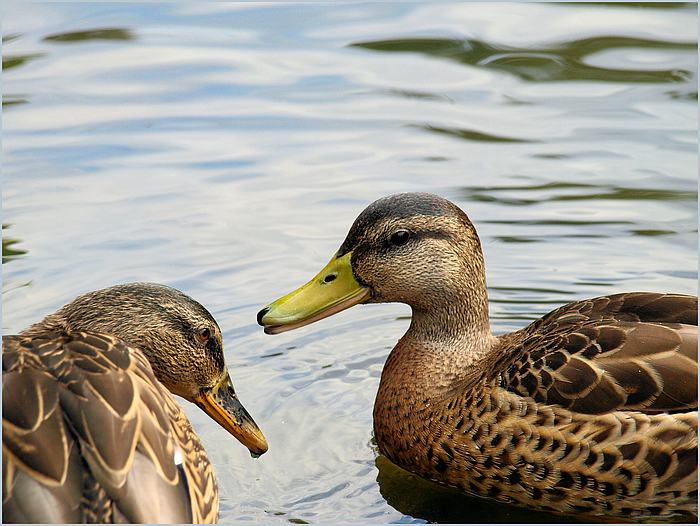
<point x="633" y="351"/>
<point x="92" y="394"/>
<point x="89" y="432"/>
<point x="590" y="410"/>
<point x="561" y="419"/>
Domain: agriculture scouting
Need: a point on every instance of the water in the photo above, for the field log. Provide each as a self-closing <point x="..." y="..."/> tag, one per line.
<point x="225" y="149"/>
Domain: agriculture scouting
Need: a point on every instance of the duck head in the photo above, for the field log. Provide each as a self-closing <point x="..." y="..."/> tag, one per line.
<point x="414" y="248"/>
<point x="180" y="339"/>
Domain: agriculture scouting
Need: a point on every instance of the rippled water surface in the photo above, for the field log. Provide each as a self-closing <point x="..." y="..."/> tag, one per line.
<point x="225" y="149"/>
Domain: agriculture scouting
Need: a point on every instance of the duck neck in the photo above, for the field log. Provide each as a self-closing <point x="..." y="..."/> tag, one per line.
<point x="431" y="366"/>
<point x="461" y="322"/>
<point x="443" y="346"/>
<point x="457" y="313"/>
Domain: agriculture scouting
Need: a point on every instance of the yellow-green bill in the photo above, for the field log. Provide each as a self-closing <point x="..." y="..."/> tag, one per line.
<point x="332" y="290"/>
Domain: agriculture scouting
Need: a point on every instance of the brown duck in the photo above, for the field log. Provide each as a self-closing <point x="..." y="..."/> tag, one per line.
<point x="590" y="410"/>
<point x="90" y="432"/>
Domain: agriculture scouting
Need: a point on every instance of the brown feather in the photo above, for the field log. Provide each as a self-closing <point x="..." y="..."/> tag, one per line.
<point x="90" y="434"/>
<point x="590" y="410"/>
<point x="114" y="443"/>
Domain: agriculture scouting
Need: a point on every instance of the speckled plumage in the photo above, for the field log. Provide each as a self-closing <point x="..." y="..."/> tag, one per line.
<point x="590" y="410"/>
<point x="89" y="433"/>
<point x="567" y="415"/>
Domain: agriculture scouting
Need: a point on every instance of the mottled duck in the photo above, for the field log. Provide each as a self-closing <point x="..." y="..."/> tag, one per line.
<point x="590" y="410"/>
<point x="90" y="431"/>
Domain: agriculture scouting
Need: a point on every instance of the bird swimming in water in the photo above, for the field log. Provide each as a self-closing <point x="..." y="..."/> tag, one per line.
<point x="90" y="429"/>
<point x="590" y="410"/>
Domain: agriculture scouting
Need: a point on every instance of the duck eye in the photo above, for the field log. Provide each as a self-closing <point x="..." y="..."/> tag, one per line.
<point x="204" y="334"/>
<point x="399" y="238"/>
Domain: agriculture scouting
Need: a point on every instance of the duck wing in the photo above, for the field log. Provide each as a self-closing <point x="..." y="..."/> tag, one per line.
<point x="632" y="351"/>
<point x="89" y="435"/>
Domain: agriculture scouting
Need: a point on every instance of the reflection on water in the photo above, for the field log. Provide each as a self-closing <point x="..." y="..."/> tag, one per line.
<point x="556" y="62"/>
<point x="469" y="135"/>
<point x="416" y="497"/>
<point x="10" y="252"/>
<point x="92" y="34"/>
<point x="226" y="148"/>
<point x="12" y="61"/>
<point x="564" y="191"/>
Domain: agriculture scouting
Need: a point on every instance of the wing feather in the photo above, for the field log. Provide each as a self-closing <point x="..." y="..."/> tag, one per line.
<point x="633" y="351"/>
<point x="82" y="412"/>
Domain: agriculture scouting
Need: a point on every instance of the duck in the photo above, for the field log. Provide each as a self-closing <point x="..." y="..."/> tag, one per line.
<point x="91" y="431"/>
<point x="590" y="410"/>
